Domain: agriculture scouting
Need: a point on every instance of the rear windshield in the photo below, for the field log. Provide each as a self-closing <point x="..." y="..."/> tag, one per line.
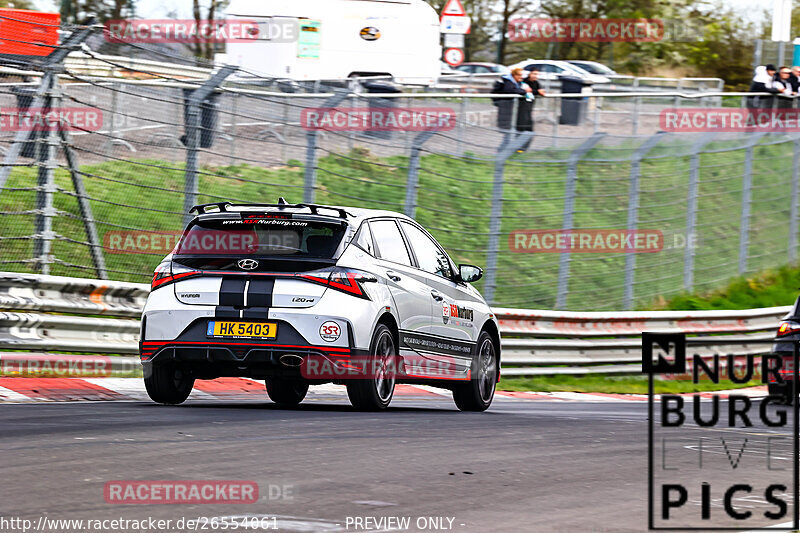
<point x="262" y="237"/>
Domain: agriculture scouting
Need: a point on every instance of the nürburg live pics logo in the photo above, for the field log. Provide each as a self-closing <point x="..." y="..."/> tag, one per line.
<point x="727" y="459"/>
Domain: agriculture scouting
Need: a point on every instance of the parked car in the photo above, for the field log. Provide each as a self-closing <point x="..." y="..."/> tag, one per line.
<point x="305" y="294"/>
<point x="445" y="69"/>
<point x="593" y="67"/>
<point x="483" y="68"/>
<point x="552" y="70"/>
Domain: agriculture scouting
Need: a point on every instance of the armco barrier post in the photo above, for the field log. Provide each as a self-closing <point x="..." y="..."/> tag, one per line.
<point x="412" y="183"/>
<point x="794" y="199"/>
<point x="310" y="174"/>
<point x="511" y="144"/>
<point x="633" y="211"/>
<point x="569" y="208"/>
<point x="747" y="191"/>
<point x="691" y="209"/>
<point x="194" y="102"/>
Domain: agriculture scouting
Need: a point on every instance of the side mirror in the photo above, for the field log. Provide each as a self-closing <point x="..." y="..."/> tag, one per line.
<point x="469" y="273"/>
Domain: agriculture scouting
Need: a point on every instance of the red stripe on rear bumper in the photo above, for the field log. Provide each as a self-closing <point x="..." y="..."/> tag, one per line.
<point x="202" y="343"/>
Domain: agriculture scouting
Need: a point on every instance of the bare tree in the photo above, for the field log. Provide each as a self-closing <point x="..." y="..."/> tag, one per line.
<point x="208" y="48"/>
<point x="509" y="9"/>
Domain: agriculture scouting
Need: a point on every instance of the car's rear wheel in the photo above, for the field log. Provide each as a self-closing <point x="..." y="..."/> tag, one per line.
<point x="167" y="384"/>
<point x="376" y="393"/>
<point x="286" y="392"/>
<point x="478" y="392"/>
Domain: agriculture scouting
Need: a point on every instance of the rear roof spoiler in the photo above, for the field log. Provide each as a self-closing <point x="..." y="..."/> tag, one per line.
<point x="282" y="204"/>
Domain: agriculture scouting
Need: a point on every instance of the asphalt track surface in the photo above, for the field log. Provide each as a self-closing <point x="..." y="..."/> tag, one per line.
<point x="521" y="466"/>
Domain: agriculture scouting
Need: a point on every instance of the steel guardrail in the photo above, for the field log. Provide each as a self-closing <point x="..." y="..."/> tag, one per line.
<point x="54" y="313"/>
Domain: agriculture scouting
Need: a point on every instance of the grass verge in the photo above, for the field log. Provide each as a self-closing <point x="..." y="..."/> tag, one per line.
<point x="612" y="384"/>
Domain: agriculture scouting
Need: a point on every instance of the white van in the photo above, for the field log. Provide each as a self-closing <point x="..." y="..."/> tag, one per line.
<point x="338" y="39"/>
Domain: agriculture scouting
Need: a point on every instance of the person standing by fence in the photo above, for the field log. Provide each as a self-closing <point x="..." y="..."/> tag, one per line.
<point x="525" y="114"/>
<point x="784" y="81"/>
<point x="507" y="84"/>
<point x="763" y="82"/>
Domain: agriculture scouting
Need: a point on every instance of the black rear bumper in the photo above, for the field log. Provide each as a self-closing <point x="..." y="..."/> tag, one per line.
<point x="208" y="358"/>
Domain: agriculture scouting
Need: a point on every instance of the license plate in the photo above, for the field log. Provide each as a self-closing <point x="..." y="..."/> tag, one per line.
<point x="259" y="330"/>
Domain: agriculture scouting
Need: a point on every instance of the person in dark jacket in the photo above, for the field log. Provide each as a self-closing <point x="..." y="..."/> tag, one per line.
<point x="507" y="84"/>
<point x="763" y="82"/>
<point x="533" y="89"/>
<point x="783" y="80"/>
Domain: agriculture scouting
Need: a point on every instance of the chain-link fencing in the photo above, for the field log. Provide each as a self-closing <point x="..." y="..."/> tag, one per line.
<point x="108" y="198"/>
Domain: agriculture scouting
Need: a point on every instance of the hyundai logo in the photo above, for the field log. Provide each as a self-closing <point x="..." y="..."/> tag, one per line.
<point x="247" y="264"/>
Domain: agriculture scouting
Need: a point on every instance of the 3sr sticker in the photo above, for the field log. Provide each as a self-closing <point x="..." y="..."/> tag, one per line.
<point x="330" y="331"/>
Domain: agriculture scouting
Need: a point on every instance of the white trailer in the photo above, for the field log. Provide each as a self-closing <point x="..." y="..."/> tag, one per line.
<point x="338" y="39"/>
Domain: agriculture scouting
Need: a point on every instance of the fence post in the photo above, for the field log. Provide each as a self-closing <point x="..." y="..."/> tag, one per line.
<point x="89" y="226"/>
<point x="507" y="149"/>
<point x="637" y="101"/>
<point x="192" y="137"/>
<point x="757" y="53"/>
<point x="633" y="212"/>
<point x="461" y="124"/>
<point x="691" y="209"/>
<point x="569" y="208"/>
<point x="235" y="99"/>
<point x="310" y="174"/>
<point x="747" y="186"/>
<point x="45" y="188"/>
<point x="412" y="184"/>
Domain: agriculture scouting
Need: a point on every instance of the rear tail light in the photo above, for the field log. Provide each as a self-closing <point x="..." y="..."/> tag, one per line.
<point x="167" y="273"/>
<point x="788" y="328"/>
<point x="346" y="280"/>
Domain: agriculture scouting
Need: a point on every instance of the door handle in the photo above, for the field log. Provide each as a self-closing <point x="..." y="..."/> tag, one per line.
<point x="437" y="295"/>
<point x="392" y="275"/>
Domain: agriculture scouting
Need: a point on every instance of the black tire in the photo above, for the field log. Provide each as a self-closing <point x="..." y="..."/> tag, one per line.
<point x="781" y="389"/>
<point x="167" y="384"/>
<point x="477" y="393"/>
<point x="286" y="392"/>
<point x="376" y="393"/>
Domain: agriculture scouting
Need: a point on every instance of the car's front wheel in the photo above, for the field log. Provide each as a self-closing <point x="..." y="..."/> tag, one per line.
<point x="167" y="384"/>
<point x="477" y="393"/>
<point x="286" y="392"/>
<point x="375" y="393"/>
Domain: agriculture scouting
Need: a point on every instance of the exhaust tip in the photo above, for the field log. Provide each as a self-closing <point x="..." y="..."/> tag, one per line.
<point x="290" y="359"/>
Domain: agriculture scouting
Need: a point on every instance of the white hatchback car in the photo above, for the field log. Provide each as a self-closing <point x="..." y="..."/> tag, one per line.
<point x="303" y="294"/>
<point x="552" y="70"/>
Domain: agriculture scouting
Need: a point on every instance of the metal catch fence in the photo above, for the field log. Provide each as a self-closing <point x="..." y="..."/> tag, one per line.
<point x="108" y="199"/>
